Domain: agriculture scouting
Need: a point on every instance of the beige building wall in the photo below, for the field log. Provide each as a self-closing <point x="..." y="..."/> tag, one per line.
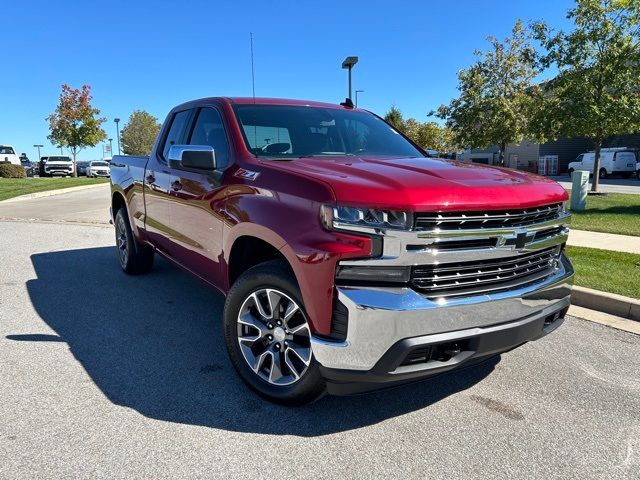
<point x="523" y="156"/>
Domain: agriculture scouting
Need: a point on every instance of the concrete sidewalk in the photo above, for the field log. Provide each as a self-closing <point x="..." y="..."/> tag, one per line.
<point x="604" y="241"/>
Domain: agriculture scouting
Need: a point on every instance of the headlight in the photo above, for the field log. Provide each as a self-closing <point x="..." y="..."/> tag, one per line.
<point x="341" y="218"/>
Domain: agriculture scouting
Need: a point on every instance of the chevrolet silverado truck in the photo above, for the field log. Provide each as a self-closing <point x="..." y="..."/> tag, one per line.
<point x="350" y="260"/>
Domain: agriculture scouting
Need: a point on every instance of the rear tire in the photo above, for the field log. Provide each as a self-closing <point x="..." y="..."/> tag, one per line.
<point x="266" y="331"/>
<point x="134" y="258"/>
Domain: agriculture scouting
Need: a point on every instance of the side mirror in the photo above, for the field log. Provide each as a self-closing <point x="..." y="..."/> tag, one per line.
<point x="192" y="156"/>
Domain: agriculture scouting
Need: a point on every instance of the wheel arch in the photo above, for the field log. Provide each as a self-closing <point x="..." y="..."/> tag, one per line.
<point x="247" y="250"/>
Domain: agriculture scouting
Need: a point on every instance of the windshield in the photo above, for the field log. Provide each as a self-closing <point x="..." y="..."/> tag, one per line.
<point x="99" y="164"/>
<point x="301" y="131"/>
<point x="6" y="150"/>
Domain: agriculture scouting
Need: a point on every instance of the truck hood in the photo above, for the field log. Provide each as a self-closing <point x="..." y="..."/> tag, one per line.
<point x="426" y="183"/>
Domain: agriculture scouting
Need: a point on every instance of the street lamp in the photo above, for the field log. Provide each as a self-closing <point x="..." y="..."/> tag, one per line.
<point x="348" y="63"/>
<point x="60" y="147"/>
<point x="111" y="146"/>
<point x="38" y="147"/>
<point x="357" y="92"/>
<point x="117" y="120"/>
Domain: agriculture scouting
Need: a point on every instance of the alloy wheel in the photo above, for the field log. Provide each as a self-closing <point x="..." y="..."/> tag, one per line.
<point x="274" y="337"/>
<point x="121" y="242"/>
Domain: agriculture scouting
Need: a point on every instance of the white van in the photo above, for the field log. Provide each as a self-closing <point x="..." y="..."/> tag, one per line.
<point x="8" y="154"/>
<point x="621" y="161"/>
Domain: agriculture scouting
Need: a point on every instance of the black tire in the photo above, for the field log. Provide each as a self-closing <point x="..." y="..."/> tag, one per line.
<point x="134" y="258"/>
<point x="603" y="173"/>
<point x="273" y="275"/>
<point x="570" y="172"/>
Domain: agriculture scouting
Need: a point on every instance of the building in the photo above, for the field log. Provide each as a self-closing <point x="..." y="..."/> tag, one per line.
<point x="526" y="155"/>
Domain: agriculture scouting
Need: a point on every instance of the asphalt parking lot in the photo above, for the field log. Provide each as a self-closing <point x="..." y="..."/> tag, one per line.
<point x="110" y="376"/>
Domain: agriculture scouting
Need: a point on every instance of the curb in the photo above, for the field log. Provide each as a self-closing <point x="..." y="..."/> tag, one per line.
<point x="610" y="303"/>
<point x="51" y="193"/>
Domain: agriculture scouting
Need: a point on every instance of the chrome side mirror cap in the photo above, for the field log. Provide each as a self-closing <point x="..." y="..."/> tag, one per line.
<point x="201" y="157"/>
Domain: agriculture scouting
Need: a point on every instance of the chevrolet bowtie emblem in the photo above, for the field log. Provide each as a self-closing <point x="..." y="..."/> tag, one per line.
<point x="523" y="236"/>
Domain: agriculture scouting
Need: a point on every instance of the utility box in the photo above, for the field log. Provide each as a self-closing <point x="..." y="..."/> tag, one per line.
<point x="579" y="189"/>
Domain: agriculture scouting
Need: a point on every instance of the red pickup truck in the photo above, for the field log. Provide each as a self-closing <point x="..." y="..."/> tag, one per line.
<point x="350" y="260"/>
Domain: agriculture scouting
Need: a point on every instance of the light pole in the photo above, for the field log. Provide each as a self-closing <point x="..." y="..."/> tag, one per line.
<point x="117" y="120"/>
<point x="348" y="63"/>
<point x="111" y="146"/>
<point x="38" y="147"/>
<point x="60" y="147"/>
<point x="357" y="92"/>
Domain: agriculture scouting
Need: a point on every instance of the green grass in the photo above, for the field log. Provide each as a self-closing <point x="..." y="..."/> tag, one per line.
<point x="614" y="272"/>
<point x="611" y="213"/>
<point x="13" y="187"/>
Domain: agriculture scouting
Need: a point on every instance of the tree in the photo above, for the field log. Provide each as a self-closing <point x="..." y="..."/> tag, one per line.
<point x="394" y="117"/>
<point x="496" y="94"/>
<point x="139" y="133"/>
<point x="430" y="135"/>
<point x="75" y="124"/>
<point x="596" y="92"/>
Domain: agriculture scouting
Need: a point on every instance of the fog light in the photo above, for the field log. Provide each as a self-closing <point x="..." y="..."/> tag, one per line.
<point x="374" y="274"/>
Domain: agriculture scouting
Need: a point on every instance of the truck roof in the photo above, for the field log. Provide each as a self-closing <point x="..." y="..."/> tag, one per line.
<point x="263" y="101"/>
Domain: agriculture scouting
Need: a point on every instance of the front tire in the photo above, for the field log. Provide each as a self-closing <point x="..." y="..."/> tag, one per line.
<point x="570" y="172"/>
<point x="134" y="258"/>
<point x="268" y="337"/>
<point x="603" y="173"/>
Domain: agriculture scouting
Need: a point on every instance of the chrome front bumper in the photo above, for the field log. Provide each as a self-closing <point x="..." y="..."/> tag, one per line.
<point x="381" y="317"/>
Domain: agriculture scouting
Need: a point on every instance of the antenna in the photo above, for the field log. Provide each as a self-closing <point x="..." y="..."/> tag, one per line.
<point x="253" y="75"/>
<point x="253" y="92"/>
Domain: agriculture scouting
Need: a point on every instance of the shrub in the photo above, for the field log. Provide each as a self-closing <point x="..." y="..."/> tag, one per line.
<point x="8" y="170"/>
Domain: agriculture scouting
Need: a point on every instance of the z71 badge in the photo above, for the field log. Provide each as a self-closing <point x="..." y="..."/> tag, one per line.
<point x="248" y="174"/>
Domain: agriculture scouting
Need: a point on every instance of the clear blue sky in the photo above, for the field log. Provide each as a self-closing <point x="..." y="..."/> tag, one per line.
<point x="151" y="55"/>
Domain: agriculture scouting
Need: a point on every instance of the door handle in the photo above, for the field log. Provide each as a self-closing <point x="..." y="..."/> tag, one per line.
<point x="176" y="185"/>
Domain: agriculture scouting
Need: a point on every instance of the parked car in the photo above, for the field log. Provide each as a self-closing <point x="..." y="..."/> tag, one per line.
<point x="350" y="261"/>
<point x="8" y="154"/>
<point x="621" y="161"/>
<point x="55" y="165"/>
<point x="81" y="166"/>
<point x="98" y="168"/>
<point x="27" y="164"/>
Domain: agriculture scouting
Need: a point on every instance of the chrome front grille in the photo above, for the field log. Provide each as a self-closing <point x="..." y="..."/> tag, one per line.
<point x="485" y="276"/>
<point x="486" y="220"/>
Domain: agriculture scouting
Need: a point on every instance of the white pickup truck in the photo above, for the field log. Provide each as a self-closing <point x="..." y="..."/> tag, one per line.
<point x="56" y="165"/>
<point x="8" y="154"/>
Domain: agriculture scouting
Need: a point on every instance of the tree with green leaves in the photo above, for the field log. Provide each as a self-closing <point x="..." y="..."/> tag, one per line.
<point x="497" y="95"/>
<point x="596" y="93"/>
<point x="430" y="135"/>
<point x="76" y="124"/>
<point x="139" y="133"/>
<point x="394" y="118"/>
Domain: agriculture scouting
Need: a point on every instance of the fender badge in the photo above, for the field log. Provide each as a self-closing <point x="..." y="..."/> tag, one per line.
<point x="246" y="174"/>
